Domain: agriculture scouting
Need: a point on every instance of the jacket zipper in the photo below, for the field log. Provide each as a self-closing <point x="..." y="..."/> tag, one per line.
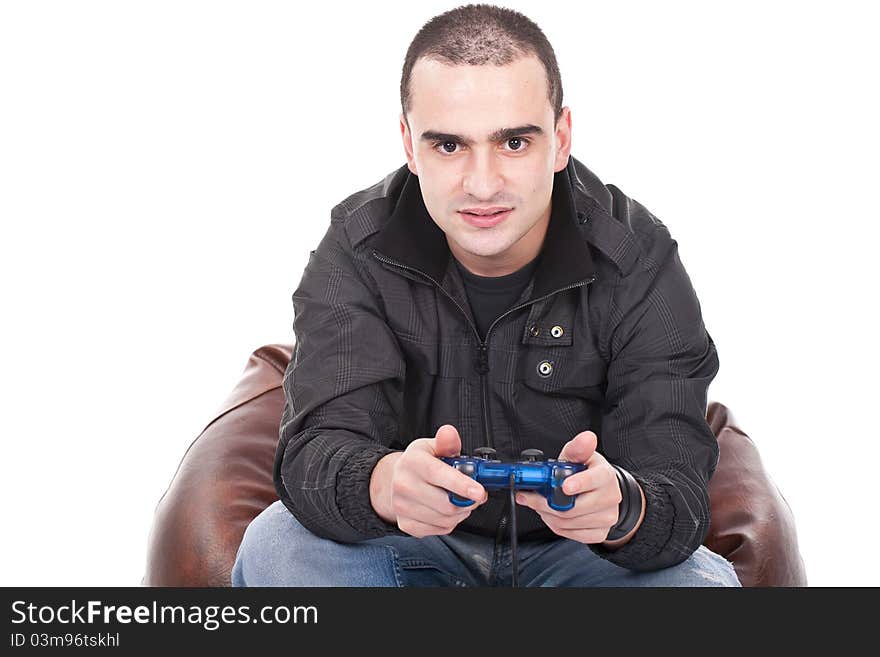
<point x="483" y="362"/>
<point x="505" y="515"/>
<point x="483" y="359"/>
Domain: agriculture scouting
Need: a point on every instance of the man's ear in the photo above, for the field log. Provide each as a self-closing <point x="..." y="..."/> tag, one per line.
<point x="406" y="135"/>
<point x="562" y="135"/>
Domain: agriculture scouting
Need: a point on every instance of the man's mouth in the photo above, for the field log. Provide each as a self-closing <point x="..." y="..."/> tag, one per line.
<point x="485" y="218"/>
<point x="484" y="212"/>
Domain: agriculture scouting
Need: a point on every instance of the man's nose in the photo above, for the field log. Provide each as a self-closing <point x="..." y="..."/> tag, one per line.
<point x="483" y="179"/>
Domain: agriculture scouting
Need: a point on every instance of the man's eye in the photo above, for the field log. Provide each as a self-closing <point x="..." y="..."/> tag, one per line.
<point x="520" y="143"/>
<point x="447" y="147"/>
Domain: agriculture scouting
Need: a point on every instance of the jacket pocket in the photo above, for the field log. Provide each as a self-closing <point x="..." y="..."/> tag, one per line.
<point x="556" y="373"/>
<point x="557" y="397"/>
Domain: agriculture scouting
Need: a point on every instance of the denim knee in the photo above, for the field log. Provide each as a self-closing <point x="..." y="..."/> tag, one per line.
<point x="702" y="568"/>
<point x="276" y="550"/>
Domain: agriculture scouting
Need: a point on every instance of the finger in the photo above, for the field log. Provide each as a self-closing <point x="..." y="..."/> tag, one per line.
<point x="450" y="514"/>
<point x="539" y="503"/>
<point x="444" y="476"/>
<point x="439" y="512"/>
<point x="604" y="519"/>
<point x="447" y="442"/>
<point x="599" y="477"/>
<point x="420" y="529"/>
<point x="587" y="536"/>
<point x="436" y="500"/>
<point x="445" y="507"/>
<point x="411" y="492"/>
<point x="580" y="448"/>
<point x="531" y="500"/>
<point x="580" y="482"/>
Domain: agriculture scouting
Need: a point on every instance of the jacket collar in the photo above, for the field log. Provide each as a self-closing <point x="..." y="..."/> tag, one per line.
<point x="411" y="237"/>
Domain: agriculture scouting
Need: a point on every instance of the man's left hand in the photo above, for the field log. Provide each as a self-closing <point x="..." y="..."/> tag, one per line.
<point x="596" y="506"/>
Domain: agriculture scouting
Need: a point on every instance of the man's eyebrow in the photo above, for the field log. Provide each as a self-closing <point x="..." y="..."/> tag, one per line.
<point x="499" y="135"/>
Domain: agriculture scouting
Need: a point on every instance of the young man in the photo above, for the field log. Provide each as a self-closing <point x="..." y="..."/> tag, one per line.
<point x="493" y="293"/>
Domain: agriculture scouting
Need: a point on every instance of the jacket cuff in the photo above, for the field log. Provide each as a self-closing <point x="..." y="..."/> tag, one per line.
<point x="652" y="535"/>
<point x="353" y="494"/>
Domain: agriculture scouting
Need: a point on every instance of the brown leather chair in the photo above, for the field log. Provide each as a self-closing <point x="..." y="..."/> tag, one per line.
<point x="225" y="479"/>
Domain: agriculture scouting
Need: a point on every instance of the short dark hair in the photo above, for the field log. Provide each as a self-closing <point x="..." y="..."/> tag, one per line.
<point x="481" y="34"/>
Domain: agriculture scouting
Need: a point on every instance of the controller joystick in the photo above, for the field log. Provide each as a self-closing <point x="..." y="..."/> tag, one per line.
<point x="487" y="453"/>
<point x="531" y="455"/>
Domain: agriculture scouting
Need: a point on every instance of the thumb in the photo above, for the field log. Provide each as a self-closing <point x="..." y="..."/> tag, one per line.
<point x="580" y="448"/>
<point x="447" y="442"/>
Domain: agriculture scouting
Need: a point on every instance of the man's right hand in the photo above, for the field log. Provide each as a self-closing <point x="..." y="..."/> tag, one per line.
<point x="411" y="488"/>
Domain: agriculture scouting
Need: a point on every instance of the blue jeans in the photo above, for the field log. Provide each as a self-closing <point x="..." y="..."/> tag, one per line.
<point x="278" y="551"/>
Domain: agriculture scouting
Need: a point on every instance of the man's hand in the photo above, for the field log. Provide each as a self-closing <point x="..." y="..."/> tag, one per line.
<point x="596" y="506"/>
<point x="411" y="488"/>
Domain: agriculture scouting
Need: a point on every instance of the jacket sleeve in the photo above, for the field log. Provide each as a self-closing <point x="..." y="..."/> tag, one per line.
<point x="661" y="362"/>
<point x="342" y="397"/>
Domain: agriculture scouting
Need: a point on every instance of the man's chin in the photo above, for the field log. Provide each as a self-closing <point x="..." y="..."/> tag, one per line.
<point x="488" y="252"/>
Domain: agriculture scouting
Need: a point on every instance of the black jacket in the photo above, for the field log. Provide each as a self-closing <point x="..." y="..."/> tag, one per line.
<point x="386" y="351"/>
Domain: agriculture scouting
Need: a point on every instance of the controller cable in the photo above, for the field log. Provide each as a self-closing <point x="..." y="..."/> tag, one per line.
<point x="513" y="532"/>
<point x="629" y="510"/>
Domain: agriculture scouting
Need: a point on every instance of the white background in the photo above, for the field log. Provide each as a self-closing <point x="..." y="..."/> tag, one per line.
<point x="165" y="168"/>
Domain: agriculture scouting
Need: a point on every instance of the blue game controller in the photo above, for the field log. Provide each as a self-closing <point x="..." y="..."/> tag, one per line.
<point x="529" y="473"/>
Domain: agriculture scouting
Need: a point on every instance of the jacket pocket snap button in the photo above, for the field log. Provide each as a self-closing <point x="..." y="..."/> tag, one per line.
<point x="545" y="368"/>
<point x="535" y="331"/>
<point x="557" y="331"/>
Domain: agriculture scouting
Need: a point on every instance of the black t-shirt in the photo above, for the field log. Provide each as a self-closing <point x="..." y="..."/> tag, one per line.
<point x="491" y="296"/>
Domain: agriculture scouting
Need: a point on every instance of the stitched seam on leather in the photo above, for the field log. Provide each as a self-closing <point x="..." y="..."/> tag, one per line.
<point x="196" y="439"/>
<point x="261" y="354"/>
<point x="239" y="405"/>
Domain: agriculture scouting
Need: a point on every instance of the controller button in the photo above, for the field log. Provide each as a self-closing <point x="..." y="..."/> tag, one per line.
<point x="559" y="474"/>
<point x="560" y="499"/>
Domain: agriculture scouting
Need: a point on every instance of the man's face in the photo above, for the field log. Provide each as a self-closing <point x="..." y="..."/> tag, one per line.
<point x="455" y="146"/>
